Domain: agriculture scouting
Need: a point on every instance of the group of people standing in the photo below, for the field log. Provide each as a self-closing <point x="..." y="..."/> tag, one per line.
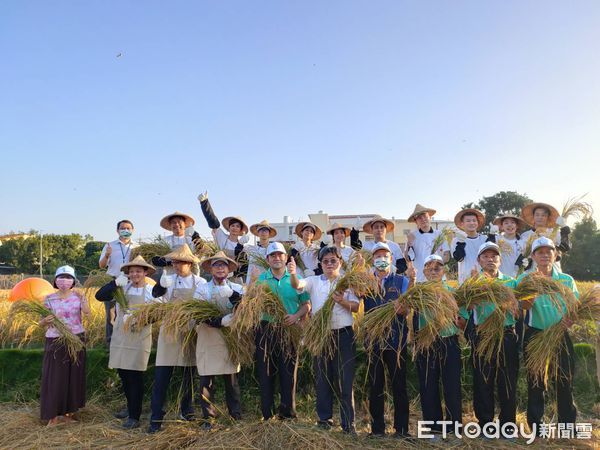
<point x="302" y="277"/>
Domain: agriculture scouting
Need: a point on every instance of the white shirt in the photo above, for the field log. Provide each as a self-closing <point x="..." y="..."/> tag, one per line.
<point x="253" y="251"/>
<point x="470" y="261"/>
<point x="145" y="290"/>
<point x="119" y="256"/>
<point x="421" y="249"/>
<point x="190" y="282"/>
<point x="530" y="235"/>
<point x="510" y="249"/>
<point x="346" y="252"/>
<point x="177" y="241"/>
<point x="224" y="243"/>
<point x="309" y="255"/>
<point x="395" y="248"/>
<point x="318" y="288"/>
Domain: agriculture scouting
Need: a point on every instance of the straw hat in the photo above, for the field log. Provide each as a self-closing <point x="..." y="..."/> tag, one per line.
<point x="338" y="226"/>
<point x="480" y="217"/>
<point x="420" y="209"/>
<point x="521" y="224"/>
<point x="219" y="256"/>
<point x="189" y="220"/>
<point x="368" y="226"/>
<point x="182" y="253"/>
<point x="263" y="224"/>
<point x="138" y="261"/>
<point x="302" y="225"/>
<point x="527" y="213"/>
<point x="227" y="221"/>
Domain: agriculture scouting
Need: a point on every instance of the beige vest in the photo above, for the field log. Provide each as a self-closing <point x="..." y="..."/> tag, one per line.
<point x="212" y="356"/>
<point x="129" y="350"/>
<point x="173" y="351"/>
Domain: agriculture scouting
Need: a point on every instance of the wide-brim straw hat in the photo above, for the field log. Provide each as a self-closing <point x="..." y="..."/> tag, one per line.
<point x="368" y="226"/>
<point x="338" y="226"/>
<point x="219" y="256"/>
<point x="138" y="261"/>
<point x="302" y="225"/>
<point x="480" y="217"/>
<point x="227" y="221"/>
<point x="254" y="229"/>
<point x="420" y="209"/>
<point x="189" y="220"/>
<point x="521" y="224"/>
<point x="183" y="253"/>
<point x="527" y="213"/>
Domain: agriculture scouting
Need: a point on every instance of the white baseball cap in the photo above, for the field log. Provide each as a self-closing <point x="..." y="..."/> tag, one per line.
<point x="488" y="246"/>
<point x="436" y="258"/>
<point x="65" y="270"/>
<point x="380" y="246"/>
<point x="542" y="242"/>
<point x="276" y="247"/>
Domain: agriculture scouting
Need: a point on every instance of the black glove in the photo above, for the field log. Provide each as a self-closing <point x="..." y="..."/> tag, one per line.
<point x="459" y="253"/>
<point x="160" y="261"/>
<point x="355" y="242"/>
<point x="565" y="231"/>
<point x="529" y="264"/>
<point x="195" y="236"/>
<point x="491" y="238"/>
<point x="519" y="261"/>
<point x="401" y="265"/>
<point x="209" y="215"/>
<point x="235" y="298"/>
<point x="214" y="322"/>
<point x="238" y="249"/>
<point x="323" y="244"/>
<point x="319" y="270"/>
<point x="295" y="253"/>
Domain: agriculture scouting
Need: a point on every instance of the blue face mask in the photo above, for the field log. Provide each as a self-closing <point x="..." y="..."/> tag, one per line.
<point x="381" y="264"/>
<point x="125" y="233"/>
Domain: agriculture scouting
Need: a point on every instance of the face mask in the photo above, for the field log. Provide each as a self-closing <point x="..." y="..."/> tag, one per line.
<point x="64" y="283"/>
<point x="381" y="264"/>
<point x="124" y="233"/>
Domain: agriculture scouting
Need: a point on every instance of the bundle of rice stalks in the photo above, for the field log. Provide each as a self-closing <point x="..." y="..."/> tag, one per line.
<point x="589" y="305"/>
<point x="318" y="336"/>
<point x="575" y="207"/>
<point x="95" y="280"/>
<point x="446" y="235"/>
<point x="258" y="259"/>
<point x="121" y="299"/>
<point x="147" y="314"/>
<point x="156" y="247"/>
<point x="299" y="262"/>
<point x="205" y="248"/>
<point x="505" y="248"/>
<point x="535" y="284"/>
<point x="31" y="311"/>
<point x="543" y="352"/>
<point x="260" y="302"/>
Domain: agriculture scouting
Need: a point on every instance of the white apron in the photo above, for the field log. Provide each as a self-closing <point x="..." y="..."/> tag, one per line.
<point x="170" y="350"/>
<point x="128" y="350"/>
<point x="212" y="356"/>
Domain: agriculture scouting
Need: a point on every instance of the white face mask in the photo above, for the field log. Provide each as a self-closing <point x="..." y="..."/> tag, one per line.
<point x="381" y="263"/>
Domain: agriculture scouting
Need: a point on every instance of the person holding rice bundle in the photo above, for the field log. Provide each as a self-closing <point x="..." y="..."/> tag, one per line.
<point x="510" y="243"/>
<point x="265" y="232"/>
<point x="502" y="370"/>
<point x="130" y="350"/>
<point x="212" y="356"/>
<point x="306" y="249"/>
<point x="334" y="373"/>
<point x="272" y="358"/>
<point x="420" y="244"/>
<point x="174" y="351"/>
<point x="62" y="391"/>
<point x="379" y="227"/>
<point x="465" y="245"/>
<point x="339" y="233"/>
<point x="441" y="363"/>
<point x="542" y="314"/>
<point x="392" y="354"/>
<point x="114" y="255"/>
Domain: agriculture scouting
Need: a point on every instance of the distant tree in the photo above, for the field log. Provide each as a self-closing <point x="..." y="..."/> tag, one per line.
<point x="582" y="261"/>
<point x="504" y="202"/>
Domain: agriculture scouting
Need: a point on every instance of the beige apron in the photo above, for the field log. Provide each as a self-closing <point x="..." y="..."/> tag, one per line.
<point x="130" y="351"/>
<point x="170" y="350"/>
<point x="212" y="356"/>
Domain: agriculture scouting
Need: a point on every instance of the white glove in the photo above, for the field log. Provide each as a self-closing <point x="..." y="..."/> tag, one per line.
<point x="460" y="235"/>
<point x="121" y="280"/>
<point x="561" y="222"/>
<point x="226" y="320"/>
<point x="126" y="316"/>
<point x="223" y="291"/>
<point x="189" y="231"/>
<point x="166" y="281"/>
<point x="525" y="262"/>
<point x="203" y="196"/>
<point x="494" y="229"/>
<point x="244" y="239"/>
<point x="308" y="273"/>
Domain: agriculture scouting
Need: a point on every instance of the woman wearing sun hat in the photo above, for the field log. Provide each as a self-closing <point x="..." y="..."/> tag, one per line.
<point x="63" y="380"/>
<point x="264" y="232"/>
<point x="465" y="245"/>
<point x="306" y="249"/>
<point x="212" y="355"/>
<point x="130" y="351"/>
<point x="177" y="223"/>
<point x="379" y="227"/>
<point x="339" y="233"/>
<point x="509" y="240"/>
<point x="172" y="351"/>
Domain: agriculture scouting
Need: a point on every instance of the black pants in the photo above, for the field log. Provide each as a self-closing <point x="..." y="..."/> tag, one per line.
<point x="162" y="378"/>
<point x="272" y="360"/>
<point x="563" y="379"/>
<point x="500" y="374"/>
<point x="133" y="387"/>
<point x="395" y="362"/>
<point x="335" y="376"/>
<point x="232" y="395"/>
<point x="108" y="327"/>
<point x="442" y="363"/>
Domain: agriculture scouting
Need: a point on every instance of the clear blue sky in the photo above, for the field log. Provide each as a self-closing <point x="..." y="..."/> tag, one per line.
<point x="286" y="108"/>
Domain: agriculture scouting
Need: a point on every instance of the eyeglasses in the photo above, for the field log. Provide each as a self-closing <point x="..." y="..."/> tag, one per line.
<point x="329" y="262"/>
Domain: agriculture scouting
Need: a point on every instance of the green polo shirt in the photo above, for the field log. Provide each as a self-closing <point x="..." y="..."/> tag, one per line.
<point x="544" y="313"/>
<point x="484" y="310"/>
<point x="451" y="329"/>
<point x="289" y="296"/>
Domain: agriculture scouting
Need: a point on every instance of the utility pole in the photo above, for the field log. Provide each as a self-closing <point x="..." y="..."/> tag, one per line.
<point x="41" y="256"/>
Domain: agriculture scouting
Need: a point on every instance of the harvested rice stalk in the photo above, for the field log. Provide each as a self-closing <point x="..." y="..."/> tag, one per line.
<point x="147" y="314"/>
<point x="535" y="284"/>
<point x="205" y="248"/>
<point x="156" y="247"/>
<point x="318" y="336"/>
<point x="95" y="280"/>
<point x="30" y="311"/>
<point x="446" y="235"/>
<point x="505" y="248"/>
<point x="299" y="262"/>
<point x="589" y="305"/>
<point x="121" y="299"/>
<point x="575" y="207"/>
<point x="543" y="353"/>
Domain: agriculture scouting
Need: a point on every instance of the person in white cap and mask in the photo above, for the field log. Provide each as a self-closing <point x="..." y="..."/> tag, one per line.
<point x="63" y="380"/>
<point x="272" y="359"/>
<point x="544" y="313"/>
